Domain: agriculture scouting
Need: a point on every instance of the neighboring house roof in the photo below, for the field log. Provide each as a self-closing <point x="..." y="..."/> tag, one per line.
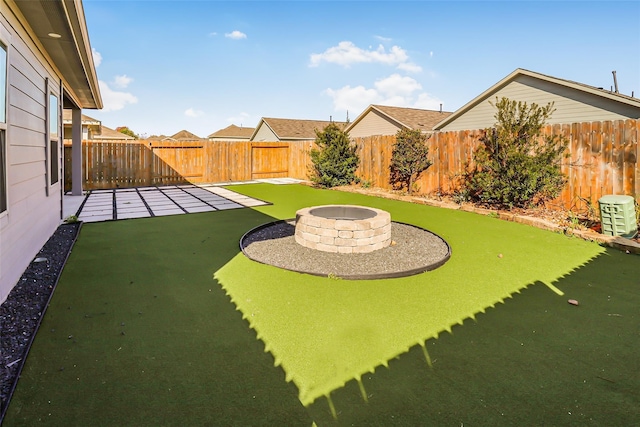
<point x="233" y="132"/>
<point x="157" y="137"/>
<point x="582" y="102"/>
<point x="71" y="52"/>
<point x="112" y="134"/>
<point x="86" y="120"/>
<point x="293" y="129"/>
<point x="183" y="135"/>
<point x="400" y="117"/>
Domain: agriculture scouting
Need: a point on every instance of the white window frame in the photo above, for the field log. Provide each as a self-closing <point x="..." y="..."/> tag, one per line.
<point x="51" y="138"/>
<point x="5" y="40"/>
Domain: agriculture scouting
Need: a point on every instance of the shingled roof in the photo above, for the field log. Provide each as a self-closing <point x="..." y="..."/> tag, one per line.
<point x="184" y="135"/>
<point x="233" y="132"/>
<point x="296" y="128"/>
<point x="86" y="120"/>
<point x="111" y="134"/>
<point x="411" y="118"/>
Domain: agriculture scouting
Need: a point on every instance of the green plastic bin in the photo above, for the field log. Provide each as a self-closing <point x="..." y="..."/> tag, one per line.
<point x="618" y="216"/>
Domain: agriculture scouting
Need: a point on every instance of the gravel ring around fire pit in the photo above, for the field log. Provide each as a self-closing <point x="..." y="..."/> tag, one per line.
<point x="414" y="250"/>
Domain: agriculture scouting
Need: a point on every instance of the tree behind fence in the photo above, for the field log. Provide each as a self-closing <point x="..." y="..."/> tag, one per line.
<point x="602" y="159"/>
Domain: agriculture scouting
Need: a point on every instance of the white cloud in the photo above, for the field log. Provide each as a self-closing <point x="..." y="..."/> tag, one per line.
<point x="113" y="100"/>
<point x="350" y="98"/>
<point x="190" y="112"/>
<point x="383" y="39"/>
<point x="431" y="54"/>
<point x="97" y="57"/>
<point x="122" y="81"/>
<point x="213" y="34"/>
<point x="240" y="119"/>
<point x="236" y="35"/>
<point x="395" y="90"/>
<point x="396" y="84"/>
<point x="347" y="53"/>
<point x="410" y="67"/>
<point x="428" y="102"/>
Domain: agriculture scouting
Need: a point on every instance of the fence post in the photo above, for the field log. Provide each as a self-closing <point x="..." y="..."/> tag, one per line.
<point x="148" y="161"/>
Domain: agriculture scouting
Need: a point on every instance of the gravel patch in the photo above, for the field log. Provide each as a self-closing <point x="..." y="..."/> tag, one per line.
<point x="22" y="311"/>
<point x="414" y="250"/>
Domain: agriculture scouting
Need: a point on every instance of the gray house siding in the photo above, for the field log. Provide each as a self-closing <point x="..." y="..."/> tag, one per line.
<point x="33" y="205"/>
<point x="264" y="134"/>
<point x="373" y="123"/>
<point x="572" y="105"/>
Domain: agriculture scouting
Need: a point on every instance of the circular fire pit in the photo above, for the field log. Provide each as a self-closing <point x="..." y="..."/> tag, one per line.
<point x="345" y="229"/>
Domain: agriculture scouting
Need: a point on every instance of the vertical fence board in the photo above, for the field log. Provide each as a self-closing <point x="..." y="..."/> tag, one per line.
<point x="636" y="141"/>
<point x="629" y="161"/>
<point x="616" y="160"/>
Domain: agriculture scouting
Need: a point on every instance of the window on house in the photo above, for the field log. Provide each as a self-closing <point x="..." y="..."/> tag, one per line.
<point x="54" y="137"/>
<point x="3" y="128"/>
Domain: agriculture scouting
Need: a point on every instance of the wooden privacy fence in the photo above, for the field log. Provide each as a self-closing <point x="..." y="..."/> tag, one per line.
<point x="150" y="163"/>
<point x="602" y="159"/>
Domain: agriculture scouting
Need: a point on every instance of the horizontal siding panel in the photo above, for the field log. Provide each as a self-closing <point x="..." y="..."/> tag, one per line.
<point x="35" y="91"/>
<point x="25" y="120"/>
<point x="20" y="154"/>
<point x="26" y="171"/>
<point x="25" y="189"/>
<point x="24" y="66"/>
<point x="373" y="124"/>
<point x="25" y="103"/>
<point x="571" y="105"/>
<point x="265" y="134"/>
<point x="26" y="137"/>
<point x="32" y="215"/>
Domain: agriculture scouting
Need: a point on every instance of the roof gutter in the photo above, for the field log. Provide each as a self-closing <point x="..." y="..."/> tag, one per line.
<point x="76" y="19"/>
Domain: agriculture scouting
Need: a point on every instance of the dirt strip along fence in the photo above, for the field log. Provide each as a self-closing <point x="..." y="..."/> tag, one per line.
<point x="602" y="159"/>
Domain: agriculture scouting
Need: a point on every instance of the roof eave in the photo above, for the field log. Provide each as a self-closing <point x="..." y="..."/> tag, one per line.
<point x="70" y="54"/>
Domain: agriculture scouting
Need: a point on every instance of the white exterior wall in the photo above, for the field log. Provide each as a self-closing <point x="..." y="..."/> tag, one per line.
<point x="264" y="133"/>
<point x="373" y="123"/>
<point x="571" y="105"/>
<point x="34" y="209"/>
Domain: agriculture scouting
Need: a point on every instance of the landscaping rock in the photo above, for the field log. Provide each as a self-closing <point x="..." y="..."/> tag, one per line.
<point x="23" y="309"/>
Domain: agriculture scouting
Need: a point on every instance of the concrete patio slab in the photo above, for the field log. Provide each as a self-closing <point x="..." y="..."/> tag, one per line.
<point x="144" y="202"/>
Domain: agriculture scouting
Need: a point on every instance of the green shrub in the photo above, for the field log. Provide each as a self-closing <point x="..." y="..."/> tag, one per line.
<point x="335" y="160"/>
<point x="515" y="165"/>
<point x="408" y="158"/>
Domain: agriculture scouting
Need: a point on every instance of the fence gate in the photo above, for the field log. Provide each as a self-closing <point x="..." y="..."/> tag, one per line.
<point x="177" y="162"/>
<point x="269" y="160"/>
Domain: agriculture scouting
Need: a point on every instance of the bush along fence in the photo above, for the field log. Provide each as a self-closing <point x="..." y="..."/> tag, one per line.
<point x="602" y="158"/>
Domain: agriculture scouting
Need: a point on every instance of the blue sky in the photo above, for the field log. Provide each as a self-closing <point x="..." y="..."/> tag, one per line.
<point x="165" y="66"/>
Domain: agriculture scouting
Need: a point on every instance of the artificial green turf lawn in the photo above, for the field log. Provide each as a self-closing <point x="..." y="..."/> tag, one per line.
<point x="327" y="332"/>
<point x="188" y="358"/>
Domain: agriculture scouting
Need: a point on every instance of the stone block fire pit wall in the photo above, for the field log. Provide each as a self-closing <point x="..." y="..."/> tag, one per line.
<point x="343" y="229"/>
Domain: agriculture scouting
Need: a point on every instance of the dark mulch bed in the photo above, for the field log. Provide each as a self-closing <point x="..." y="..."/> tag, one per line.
<point x="21" y="313"/>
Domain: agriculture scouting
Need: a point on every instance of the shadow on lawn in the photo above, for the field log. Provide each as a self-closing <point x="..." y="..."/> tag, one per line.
<point x="534" y="360"/>
<point x="129" y="339"/>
